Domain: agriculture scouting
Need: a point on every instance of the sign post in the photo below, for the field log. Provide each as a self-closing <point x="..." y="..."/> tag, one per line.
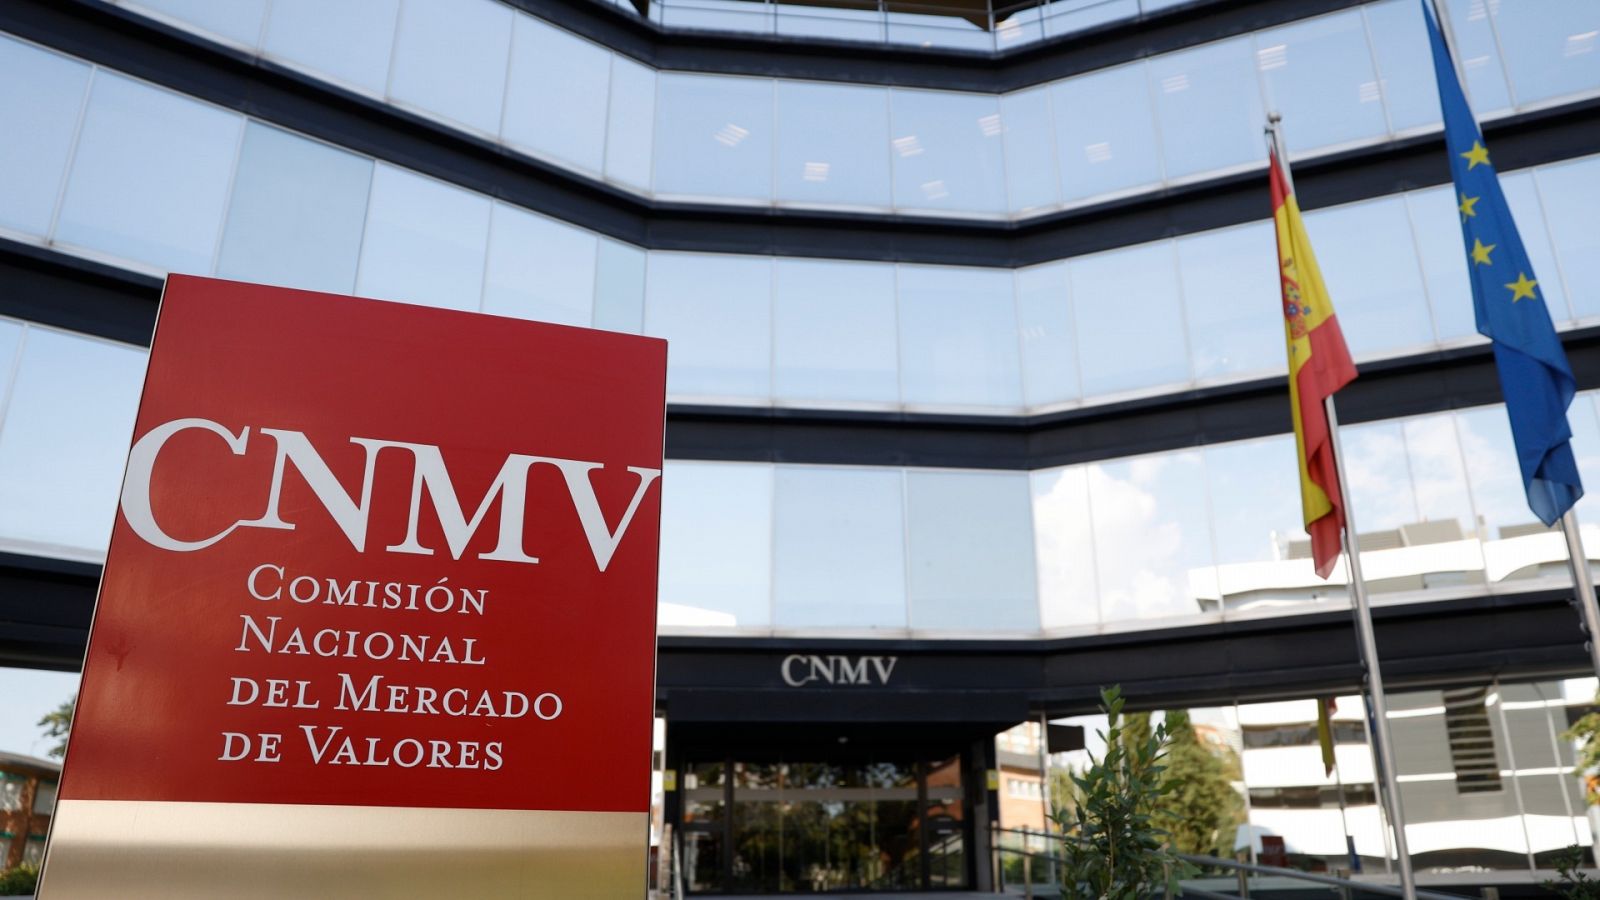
<point x="378" y="614"/>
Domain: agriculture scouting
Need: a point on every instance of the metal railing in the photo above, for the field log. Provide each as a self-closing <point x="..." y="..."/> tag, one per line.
<point x="1344" y="888"/>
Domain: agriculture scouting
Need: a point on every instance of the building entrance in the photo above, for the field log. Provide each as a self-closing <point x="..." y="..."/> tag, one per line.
<point x="798" y="826"/>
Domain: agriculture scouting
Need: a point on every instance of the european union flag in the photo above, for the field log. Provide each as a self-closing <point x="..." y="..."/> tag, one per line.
<point x="1534" y="375"/>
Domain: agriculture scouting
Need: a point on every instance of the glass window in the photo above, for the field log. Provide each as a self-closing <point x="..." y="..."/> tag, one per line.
<point x="971" y="551"/>
<point x="1549" y="47"/>
<point x="1318" y="74"/>
<point x="948" y="151"/>
<point x="853" y="20"/>
<point x="1263" y="551"/>
<point x="425" y="242"/>
<point x="1049" y="351"/>
<point x="714" y="136"/>
<point x="1369" y="263"/>
<point x="297" y="213"/>
<point x="958" y="337"/>
<point x="1232" y="300"/>
<point x="716" y="544"/>
<point x="539" y="268"/>
<point x="939" y="23"/>
<point x="40" y="96"/>
<point x="717" y="15"/>
<point x="556" y="94"/>
<point x="1129" y="321"/>
<point x="1209" y="106"/>
<point x="716" y="313"/>
<point x="1105" y="132"/>
<point x="450" y="59"/>
<point x="1071" y="16"/>
<point x="10" y="343"/>
<point x="1522" y="196"/>
<point x="345" y="40"/>
<point x="1478" y="55"/>
<point x="1439" y="477"/>
<point x="1379" y="479"/>
<point x="628" y="122"/>
<point x="1503" y="519"/>
<point x="1436" y="225"/>
<point x="150" y="177"/>
<point x="1152" y="537"/>
<point x="1014" y="27"/>
<point x="839" y="561"/>
<point x="1064" y="544"/>
<point x="834" y="332"/>
<point x="1406" y="72"/>
<point x="1030" y="150"/>
<point x="833" y="144"/>
<point x="1571" y="198"/>
<point x="619" y="287"/>
<point x="238" y="21"/>
<point x="60" y="474"/>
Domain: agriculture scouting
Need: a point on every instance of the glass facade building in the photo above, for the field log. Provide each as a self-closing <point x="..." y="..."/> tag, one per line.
<point x="976" y="365"/>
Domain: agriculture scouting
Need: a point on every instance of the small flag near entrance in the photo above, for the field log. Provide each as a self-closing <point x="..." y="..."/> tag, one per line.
<point x="1319" y="365"/>
<point x="1534" y="375"/>
<point x="1325" y="710"/>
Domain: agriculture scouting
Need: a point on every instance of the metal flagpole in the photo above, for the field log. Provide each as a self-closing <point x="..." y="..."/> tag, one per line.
<point x="1366" y="639"/>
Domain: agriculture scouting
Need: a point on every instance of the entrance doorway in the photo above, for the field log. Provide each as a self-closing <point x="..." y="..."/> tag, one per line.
<point x="794" y="826"/>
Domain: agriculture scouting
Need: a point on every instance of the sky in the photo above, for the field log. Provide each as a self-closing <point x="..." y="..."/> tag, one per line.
<point x="29" y="694"/>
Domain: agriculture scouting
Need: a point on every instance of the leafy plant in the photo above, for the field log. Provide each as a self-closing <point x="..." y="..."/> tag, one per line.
<point x="1570" y="882"/>
<point x="1113" y="847"/>
<point x="22" y="879"/>
<point x="57" y="722"/>
<point x="1203" y="809"/>
<point x="1586" y="731"/>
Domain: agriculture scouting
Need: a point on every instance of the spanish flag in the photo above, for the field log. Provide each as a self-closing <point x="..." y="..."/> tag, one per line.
<point x="1319" y="364"/>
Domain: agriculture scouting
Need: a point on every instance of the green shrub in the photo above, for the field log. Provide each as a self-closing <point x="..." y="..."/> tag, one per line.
<point x="21" y="880"/>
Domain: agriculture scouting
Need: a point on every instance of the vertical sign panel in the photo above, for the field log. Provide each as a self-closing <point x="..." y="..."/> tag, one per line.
<point x="378" y="616"/>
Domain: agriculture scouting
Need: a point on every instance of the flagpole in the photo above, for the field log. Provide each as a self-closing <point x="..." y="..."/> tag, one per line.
<point x="1366" y="639"/>
<point x="1582" y="586"/>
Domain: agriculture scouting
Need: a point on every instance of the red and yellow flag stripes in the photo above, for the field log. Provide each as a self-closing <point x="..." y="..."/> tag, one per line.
<point x="1319" y="364"/>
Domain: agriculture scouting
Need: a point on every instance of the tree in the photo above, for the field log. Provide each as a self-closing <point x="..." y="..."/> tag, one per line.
<point x="1111" y="844"/>
<point x="57" y="723"/>
<point x="1202" y="809"/>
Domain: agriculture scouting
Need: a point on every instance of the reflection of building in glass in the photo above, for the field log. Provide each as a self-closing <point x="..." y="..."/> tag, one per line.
<point x="975" y="397"/>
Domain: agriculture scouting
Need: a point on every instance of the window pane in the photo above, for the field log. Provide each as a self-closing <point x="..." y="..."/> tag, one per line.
<point x="556" y="94"/>
<point x="1014" y="27"/>
<point x="539" y="268"/>
<point x="1129" y="324"/>
<point x="1071" y="16"/>
<point x="1439" y="476"/>
<point x="1436" y="224"/>
<point x="1030" y="150"/>
<point x="297" y="213"/>
<point x="971" y="551"/>
<point x="150" y="177"/>
<point x="1105" y="132"/>
<point x="1571" y="198"/>
<point x="958" y="337"/>
<point x="922" y="23"/>
<point x="1523" y="199"/>
<point x="628" y="122"/>
<point x="1549" y="47"/>
<point x="40" y="95"/>
<point x="1209" y="106"/>
<point x="1475" y="50"/>
<point x="834" y="332"/>
<point x="716" y="544"/>
<point x="1398" y="38"/>
<point x="450" y="59"/>
<point x="1378" y="478"/>
<point x="862" y="23"/>
<point x="1232" y="300"/>
<point x="10" y="343"/>
<point x="345" y="40"/>
<point x="1499" y="500"/>
<point x="1049" y="351"/>
<point x="948" y="152"/>
<point x="1152" y="540"/>
<point x="237" y="20"/>
<point x="60" y="473"/>
<point x="1263" y="552"/>
<point x="1369" y="263"/>
<point x="715" y="312"/>
<point x="833" y="144"/>
<point x="840" y="561"/>
<point x="425" y="242"/>
<point x="714" y="136"/>
<point x="619" y="287"/>
<point x="1064" y="545"/>
<point x="1318" y="74"/>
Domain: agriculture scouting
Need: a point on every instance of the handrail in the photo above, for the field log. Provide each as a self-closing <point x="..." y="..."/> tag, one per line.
<point x="1235" y="865"/>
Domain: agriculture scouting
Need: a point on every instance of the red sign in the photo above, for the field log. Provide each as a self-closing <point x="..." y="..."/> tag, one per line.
<point x="382" y="555"/>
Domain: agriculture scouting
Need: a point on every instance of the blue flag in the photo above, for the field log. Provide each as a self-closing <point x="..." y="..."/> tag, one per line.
<point x="1534" y="375"/>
